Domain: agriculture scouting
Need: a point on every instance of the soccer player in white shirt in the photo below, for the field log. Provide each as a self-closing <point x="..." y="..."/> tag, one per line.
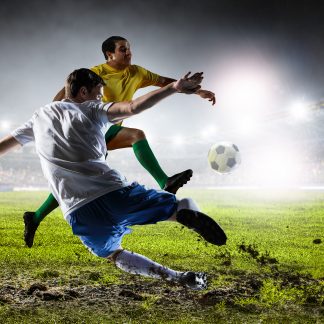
<point x="97" y="201"/>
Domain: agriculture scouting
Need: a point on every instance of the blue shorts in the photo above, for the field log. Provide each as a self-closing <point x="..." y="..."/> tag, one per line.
<point x="103" y="222"/>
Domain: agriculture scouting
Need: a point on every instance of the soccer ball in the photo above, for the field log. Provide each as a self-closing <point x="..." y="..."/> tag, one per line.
<point x="224" y="157"/>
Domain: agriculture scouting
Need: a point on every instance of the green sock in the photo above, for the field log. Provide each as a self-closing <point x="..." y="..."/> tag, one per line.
<point x="146" y="157"/>
<point x="49" y="205"/>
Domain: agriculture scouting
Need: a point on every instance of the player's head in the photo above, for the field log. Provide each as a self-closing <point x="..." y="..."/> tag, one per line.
<point x="83" y="84"/>
<point x="117" y="48"/>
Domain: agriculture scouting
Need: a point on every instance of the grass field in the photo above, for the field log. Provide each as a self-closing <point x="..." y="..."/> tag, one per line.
<point x="271" y="270"/>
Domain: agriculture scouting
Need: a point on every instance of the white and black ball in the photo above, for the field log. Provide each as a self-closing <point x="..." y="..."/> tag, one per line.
<point x="224" y="157"/>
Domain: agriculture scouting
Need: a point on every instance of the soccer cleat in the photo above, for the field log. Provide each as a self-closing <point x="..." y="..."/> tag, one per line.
<point x="178" y="180"/>
<point x="193" y="280"/>
<point x="30" y="228"/>
<point x="203" y="225"/>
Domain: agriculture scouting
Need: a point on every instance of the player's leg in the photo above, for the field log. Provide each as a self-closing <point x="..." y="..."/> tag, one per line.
<point x="119" y="137"/>
<point x="33" y="219"/>
<point x="93" y="223"/>
<point x="189" y="215"/>
<point x="148" y="206"/>
<point x="135" y="263"/>
<point x="139" y="206"/>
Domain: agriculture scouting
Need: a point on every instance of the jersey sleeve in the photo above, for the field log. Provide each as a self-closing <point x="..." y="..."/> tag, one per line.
<point x="25" y="133"/>
<point x="99" y="113"/>
<point x="148" y="78"/>
<point x="96" y="69"/>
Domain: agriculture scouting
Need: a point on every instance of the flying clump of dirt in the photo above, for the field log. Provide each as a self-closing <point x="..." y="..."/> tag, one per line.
<point x="262" y="259"/>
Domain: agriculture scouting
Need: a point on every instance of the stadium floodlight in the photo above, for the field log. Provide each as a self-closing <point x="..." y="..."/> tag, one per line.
<point x="5" y="125"/>
<point x="299" y="110"/>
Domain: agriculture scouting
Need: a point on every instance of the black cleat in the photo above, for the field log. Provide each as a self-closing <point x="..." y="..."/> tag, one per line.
<point x="178" y="180"/>
<point x="30" y="228"/>
<point x="193" y="280"/>
<point x="203" y="225"/>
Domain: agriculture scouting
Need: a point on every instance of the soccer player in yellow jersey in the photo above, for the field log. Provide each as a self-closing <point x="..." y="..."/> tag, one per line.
<point x="122" y="80"/>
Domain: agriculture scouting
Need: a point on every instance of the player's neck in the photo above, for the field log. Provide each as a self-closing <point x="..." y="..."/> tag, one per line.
<point x="117" y="66"/>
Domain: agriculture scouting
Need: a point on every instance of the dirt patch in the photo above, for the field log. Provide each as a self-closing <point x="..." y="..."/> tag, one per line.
<point x="131" y="294"/>
<point x="238" y="285"/>
<point x="136" y="292"/>
<point x="34" y="287"/>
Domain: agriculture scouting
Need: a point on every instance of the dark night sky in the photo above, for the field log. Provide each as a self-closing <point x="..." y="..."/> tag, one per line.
<point x="42" y="41"/>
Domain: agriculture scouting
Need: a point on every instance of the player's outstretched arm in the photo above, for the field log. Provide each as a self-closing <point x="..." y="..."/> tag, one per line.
<point x="121" y="110"/>
<point x="7" y="144"/>
<point x="205" y="94"/>
<point x="163" y="81"/>
<point x="189" y="84"/>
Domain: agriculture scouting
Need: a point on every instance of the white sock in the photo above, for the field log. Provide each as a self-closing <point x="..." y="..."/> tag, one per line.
<point x="139" y="264"/>
<point x="187" y="203"/>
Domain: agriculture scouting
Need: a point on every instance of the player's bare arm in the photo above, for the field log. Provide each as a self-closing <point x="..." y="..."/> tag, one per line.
<point x="60" y="95"/>
<point x="121" y="110"/>
<point x="7" y="144"/>
<point x="205" y="94"/>
<point x="163" y="81"/>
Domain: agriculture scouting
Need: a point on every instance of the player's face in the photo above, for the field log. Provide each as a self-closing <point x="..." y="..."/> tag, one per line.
<point x="122" y="54"/>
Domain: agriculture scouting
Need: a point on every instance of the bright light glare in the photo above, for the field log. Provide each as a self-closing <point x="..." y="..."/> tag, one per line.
<point x="299" y="110"/>
<point x="277" y="167"/>
<point x="178" y="140"/>
<point x="208" y="132"/>
<point x="5" y="125"/>
<point x="247" y="126"/>
<point x="245" y="91"/>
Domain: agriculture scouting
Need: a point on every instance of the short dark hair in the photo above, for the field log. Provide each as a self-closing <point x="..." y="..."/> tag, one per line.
<point x="81" y="78"/>
<point x="109" y="45"/>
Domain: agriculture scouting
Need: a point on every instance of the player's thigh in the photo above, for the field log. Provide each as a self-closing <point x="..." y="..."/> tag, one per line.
<point x="124" y="138"/>
<point x="97" y="227"/>
<point x="104" y="246"/>
<point x="136" y="205"/>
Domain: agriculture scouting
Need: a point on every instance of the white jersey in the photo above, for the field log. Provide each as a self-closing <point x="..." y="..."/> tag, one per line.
<point x="69" y="140"/>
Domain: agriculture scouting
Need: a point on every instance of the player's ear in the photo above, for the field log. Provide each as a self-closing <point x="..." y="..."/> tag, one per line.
<point x="110" y="55"/>
<point x="83" y="91"/>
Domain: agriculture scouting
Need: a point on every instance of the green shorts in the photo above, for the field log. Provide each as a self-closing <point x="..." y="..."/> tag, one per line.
<point x="112" y="132"/>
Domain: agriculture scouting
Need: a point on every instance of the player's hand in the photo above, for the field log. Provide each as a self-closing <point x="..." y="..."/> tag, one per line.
<point x="205" y="94"/>
<point x="189" y="84"/>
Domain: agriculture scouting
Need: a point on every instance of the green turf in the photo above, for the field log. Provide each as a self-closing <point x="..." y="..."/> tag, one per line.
<point x="270" y="270"/>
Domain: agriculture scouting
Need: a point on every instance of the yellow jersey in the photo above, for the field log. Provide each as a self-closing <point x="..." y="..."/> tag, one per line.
<point x="122" y="84"/>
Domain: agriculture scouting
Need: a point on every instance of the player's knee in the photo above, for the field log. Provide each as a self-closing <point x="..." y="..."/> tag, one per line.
<point x="187" y="203"/>
<point x="137" y="135"/>
<point x="112" y="257"/>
